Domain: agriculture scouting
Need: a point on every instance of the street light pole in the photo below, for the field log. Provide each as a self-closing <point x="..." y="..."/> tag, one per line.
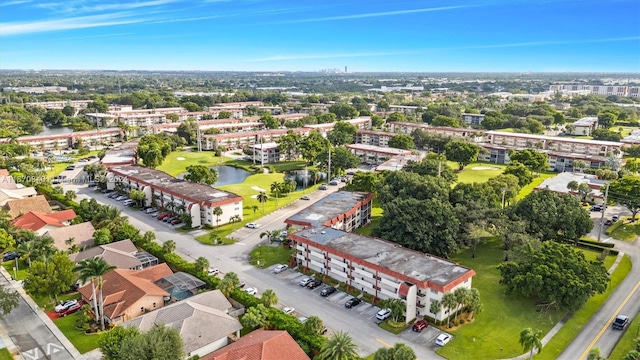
<point x="604" y="209"/>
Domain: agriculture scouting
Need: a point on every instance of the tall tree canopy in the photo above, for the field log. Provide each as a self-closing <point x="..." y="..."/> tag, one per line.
<point x="462" y="152"/>
<point x="432" y="167"/>
<point x="343" y="133"/>
<point x="554" y="274"/>
<point x="626" y="191"/>
<point x="201" y="174"/>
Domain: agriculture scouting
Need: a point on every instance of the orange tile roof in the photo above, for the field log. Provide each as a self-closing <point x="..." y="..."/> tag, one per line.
<point x="35" y="221"/>
<point x="121" y="288"/>
<point x="4" y="172"/>
<point x="261" y="345"/>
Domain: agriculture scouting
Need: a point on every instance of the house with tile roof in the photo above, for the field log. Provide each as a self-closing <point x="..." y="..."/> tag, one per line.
<point x="129" y="293"/>
<point x="121" y="254"/>
<point x="261" y="345"/>
<point x="80" y="234"/>
<point x="17" y="207"/>
<point x="203" y="322"/>
<point x="11" y="190"/>
<point x="41" y="223"/>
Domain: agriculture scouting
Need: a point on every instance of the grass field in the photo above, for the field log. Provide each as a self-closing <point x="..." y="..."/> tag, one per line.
<point x="479" y="172"/>
<point x="628" y="341"/>
<point x="499" y="324"/>
<point x="78" y="338"/>
<point x="537" y="181"/>
<point x="5" y="354"/>
<point x="172" y="166"/>
<point x="622" y="231"/>
<point x="569" y="331"/>
<point x="270" y="255"/>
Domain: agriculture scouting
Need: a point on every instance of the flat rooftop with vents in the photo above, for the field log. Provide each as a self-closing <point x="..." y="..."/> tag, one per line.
<point x="327" y="209"/>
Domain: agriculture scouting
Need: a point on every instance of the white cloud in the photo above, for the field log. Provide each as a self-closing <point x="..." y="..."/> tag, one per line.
<point x="16" y="2"/>
<point x="378" y="14"/>
<point x="549" y="42"/>
<point x="327" y="56"/>
<point x="81" y="22"/>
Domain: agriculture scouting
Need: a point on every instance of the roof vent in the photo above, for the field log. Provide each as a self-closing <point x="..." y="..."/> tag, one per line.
<point x="323" y="232"/>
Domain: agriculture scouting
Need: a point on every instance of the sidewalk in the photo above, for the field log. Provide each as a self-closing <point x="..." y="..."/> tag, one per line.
<point x="43" y="316"/>
<point x="6" y="342"/>
<point x="564" y="320"/>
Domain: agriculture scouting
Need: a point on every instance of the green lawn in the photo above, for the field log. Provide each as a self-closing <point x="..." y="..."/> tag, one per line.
<point x="499" y="324"/>
<point x="479" y="172"/>
<point x="270" y="255"/>
<point x="247" y="191"/>
<point x="59" y="167"/>
<point x="537" y="181"/>
<point x="560" y="341"/>
<point x="78" y="338"/>
<point x="172" y="166"/>
<point x="376" y="217"/>
<point x="5" y="354"/>
<point x="628" y="341"/>
<point x="22" y="270"/>
<point x="624" y="231"/>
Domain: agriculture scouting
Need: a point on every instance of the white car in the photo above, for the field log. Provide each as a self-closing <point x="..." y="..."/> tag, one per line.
<point x="443" y="339"/>
<point x="122" y="198"/>
<point x="304" y="281"/>
<point x="280" y="268"/>
<point x="65" y="305"/>
<point x="288" y="310"/>
<point x="383" y="314"/>
<point x="303" y="319"/>
<point x="251" y="291"/>
<point x="252" y="225"/>
<point x="213" y="271"/>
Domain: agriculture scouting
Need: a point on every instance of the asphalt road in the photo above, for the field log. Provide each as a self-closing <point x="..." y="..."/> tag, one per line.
<point x="362" y="327"/>
<point x="30" y="334"/>
<point x="624" y="300"/>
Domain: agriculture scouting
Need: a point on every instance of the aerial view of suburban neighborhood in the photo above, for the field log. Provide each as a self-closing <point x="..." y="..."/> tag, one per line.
<point x="279" y="180"/>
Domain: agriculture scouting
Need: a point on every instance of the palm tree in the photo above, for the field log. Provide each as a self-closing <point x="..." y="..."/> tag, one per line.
<point x="217" y="211"/>
<point x="262" y="198"/>
<point x="474" y="304"/>
<point x="108" y="217"/>
<point x="234" y="219"/>
<point x="229" y="282"/>
<point x="435" y="308"/>
<point x="70" y="241"/>
<point x="70" y="195"/>
<point x="397" y="307"/>
<point x="270" y="235"/>
<point x="449" y="302"/>
<point x="94" y="269"/>
<point x="269" y="298"/>
<point x="462" y="296"/>
<point x="340" y="346"/>
<point x="573" y="185"/>
<point x="27" y="251"/>
<point x="584" y="190"/>
<point x="201" y="264"/>
<point x="255" y="208"/>
<point x="275" y="188"/>
<point x="169" y="246"/>
<point x="531" y="339"/>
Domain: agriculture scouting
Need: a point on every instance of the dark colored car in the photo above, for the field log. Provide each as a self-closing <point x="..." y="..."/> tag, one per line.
<point x="420" y="325"/>
<point x="176" y="222"/>
<point x="620" y="322"/>
<point x="352" y="302"/>
<point x="596" y="208"/>
<point x="314" y="284"/>
<point x="10" y="255"/>
<point x="323" y="187"/>
<point x="106" y="191"/>
<point x="608" y="222"/>
<point x="327" y="291"/>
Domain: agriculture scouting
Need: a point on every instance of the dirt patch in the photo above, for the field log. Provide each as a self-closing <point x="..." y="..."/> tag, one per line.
<point x="257" y="188"/>
<point x="53" y="315"/>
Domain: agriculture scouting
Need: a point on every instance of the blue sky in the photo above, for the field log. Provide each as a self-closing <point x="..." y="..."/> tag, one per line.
<point x="275" y="35"/>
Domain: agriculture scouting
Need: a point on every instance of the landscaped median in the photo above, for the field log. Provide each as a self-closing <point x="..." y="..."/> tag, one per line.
<point x="623" y="230"/>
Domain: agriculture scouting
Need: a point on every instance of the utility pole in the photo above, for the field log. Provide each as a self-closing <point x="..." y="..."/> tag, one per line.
<point x="329" y="167"/>
<point x="504" y="192"/>
<point x="440" y="169"/>
<point x="604" y="209"/>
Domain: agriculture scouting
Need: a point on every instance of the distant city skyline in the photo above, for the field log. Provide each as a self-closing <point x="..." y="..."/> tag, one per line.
<point x="365" y="36"/>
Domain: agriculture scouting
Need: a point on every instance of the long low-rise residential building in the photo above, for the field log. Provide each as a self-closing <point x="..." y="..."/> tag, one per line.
<point x="123" y="154"/>
<point x="408" y="128"/>
<point x="556" y="144"/>
<point x="164" y="191"/>
<point x="372" y="137"/>
<point x="375" y="155"/>
<point x="64" y="141"/>
<point x="78" y="104"/>
<point x="343" y="210"/>
<point x="585" y="126"/>
<point x="239" y="140"/>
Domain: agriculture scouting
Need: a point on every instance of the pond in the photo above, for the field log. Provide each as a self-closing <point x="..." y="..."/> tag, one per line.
<point x="226" y="175"/>
<point x="305" y="178"/>
<point x="55" y="131"/>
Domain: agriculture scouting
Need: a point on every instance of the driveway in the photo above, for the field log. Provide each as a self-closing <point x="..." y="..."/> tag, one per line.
<point x="357" y="322"/>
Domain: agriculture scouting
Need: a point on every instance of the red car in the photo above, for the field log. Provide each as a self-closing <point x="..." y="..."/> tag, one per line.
<point x="71" y="309"/>
<point x="162" y="216"/>
<point x="419" y="325"/>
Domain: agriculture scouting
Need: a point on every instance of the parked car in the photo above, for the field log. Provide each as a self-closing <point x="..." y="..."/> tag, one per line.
<point x="608" y="222"/>
<point x="383" y="314"/>
<point x="280" y="268"/>
<point x="304" y="281"/>
<point x="314" y="284"/>
<point x="303" y="319"/>
<point x="352" y="302"/>
<point x="122" y="198"/>
<point x="620" y="322"/>
<point x="150" y="210"/>
<point x="323" y="187"/>
<point x="288" y="310"/>
<point x="71" y="167"/>
<point x="154" y="213"/>
<point x="65" y="305"/>
<point x="162" y="216"/>
<point x="420" y="325"/>
<point x="443" y="339"/>
<point x="615" y="218"/>
<point x="213" y="271"/>
<point x="305" y="198"/>
<point x="113" y="195"/>
<point x="176" y="222"/>
<point x="72" y="309"/>
<point x="129" y="202"/>
<point x="251" y="291"/>
<point x="168" y="219"/>
<point x="327" y="291"/>
<point x="106" y="191"/>
<point x="596" y="207"/>
<point x="334" y="182"/>
<point x="252" y="225"/>
<point x="10" y="255"/>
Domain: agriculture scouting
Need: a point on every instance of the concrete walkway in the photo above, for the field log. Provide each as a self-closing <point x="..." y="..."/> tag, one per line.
<point x="545" y="340"/>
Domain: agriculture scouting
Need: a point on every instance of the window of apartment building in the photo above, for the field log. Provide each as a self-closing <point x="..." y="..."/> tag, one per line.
<point x="433" y="291"/>
<point x="154" y="305"/>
